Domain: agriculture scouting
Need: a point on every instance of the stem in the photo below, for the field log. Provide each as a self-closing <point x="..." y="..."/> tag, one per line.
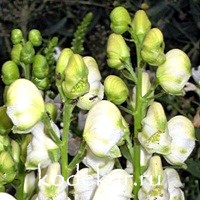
<point x="26" y="71"/>
<point x="137" y="125"/>
<point x="68" y="108"/>
<point x="20" y="188"/>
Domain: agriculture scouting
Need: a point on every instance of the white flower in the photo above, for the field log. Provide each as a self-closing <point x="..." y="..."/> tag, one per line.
<point x="40" y="148"/>
<point x="154" y="136"/>
<point x="52" y="185"/>
<point x="117" y="185"/>
<point x="29" y="184"/>
<point x="104" y="129"/>
<point x="25" y="105"/>
<point x="96" y="91"/>
<point x="6" y="196"/>
<point x="181" y="130"/>
<point x="196" y="74"/>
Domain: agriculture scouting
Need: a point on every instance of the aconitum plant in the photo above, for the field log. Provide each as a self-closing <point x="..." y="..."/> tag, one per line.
<point x="67" y="133"/>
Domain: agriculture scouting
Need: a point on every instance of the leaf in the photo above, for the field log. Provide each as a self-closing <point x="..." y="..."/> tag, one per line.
<point x="193" y="167"/>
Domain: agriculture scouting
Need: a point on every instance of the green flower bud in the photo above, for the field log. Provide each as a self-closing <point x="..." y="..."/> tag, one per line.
<point x="153" y="48"/>
<point x="5" y="122"/>
<point x="115" y="89"/>
<point x="15" y="53"/>
<point x="117" y="51"/>
<point x="27" y="53"/>
<point x="35" y="37"/>
<point x="174" y="73"/>
<point x="7" y="168"/>
<point x="75" y="82"/>
<point x="10" y="72"/>
<point x="42" y="84"/>
<point x="120" y="20"/>
<point x="51" y="109"/>
<point x="16" y="36"/>
<point x="104" y="129"/>
<point x="63" y="61"/>
<point x="40" y="66"/>
<point x="140" y="25"/>
<point x="25" y="105"/>
<point x="15" y="150"/>
<point x="4" y="142"/>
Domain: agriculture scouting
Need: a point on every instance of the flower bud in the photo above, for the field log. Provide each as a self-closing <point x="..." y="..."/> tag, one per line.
<point x="4" y="142"/>
<point x="42" y="84"/>
<point x="51" y="109"/>
<point x="140" y="25"/>
<point x="62" y="61"/>
<point x="174" y="73"/>
<point x="5" y="122"/>
<point x="15" y="151"/>
<point x="154" y="136"/>
<point x="15" y="53"/>
<point x="182" y="131"/>
<point x="116" y="185"/>
<point x="96" y="91"/>
<point x="16" y="36"/>
<point x="40" y="67"/>
<point x="10" y="72"/>
<point x="52" y="185"/>
<point x="7" y="168"/>
<point x="75" y="82"/>
<point x="6" y="196"/>
<point x="35" y="37"/>
<point x="104" y="129"/>
<point x="117" y="51"/>
<point x="29" y="184"/>
<point x="25" y="105"/>
<point x="27" y="53"/>
<point x="115" y="89"/>
<point x="120" y="20"/>
<point x="153" y="48"/>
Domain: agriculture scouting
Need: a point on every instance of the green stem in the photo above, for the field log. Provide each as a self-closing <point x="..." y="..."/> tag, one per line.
<point x="26" y="69"/>
<point x="20" y="188"/>
<point x="138" y="115"/>
<point x="78" y="157"/>
<point x="68" y="108"/>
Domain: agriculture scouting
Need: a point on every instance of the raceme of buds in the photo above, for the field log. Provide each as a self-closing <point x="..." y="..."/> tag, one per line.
<point x="40" y="67"/>
<point x="116" y="185"/>
<point x="154" y="183"/>
<point x="25" y="105"/>
<point x="41" y="150"/>
<point x="16" y="36"/>
<point x="154" y="136"/>
<point x="15" y="53"/>
<point x="35" y="37"/>
<point x="120" y="20"/>
<point x="6" y="196"/>
<point x="182" y="131"/>
<point x="117" y="51"/>
<point x="5" y="122"/>
<point x="153" y="48"/>
<point x="10" y="72"/>
<point x="115" y="89"/>
<point x="140" y="25"/>
<point x="75" y="82"/>
<point x="27" y="53"/>
<point x="174" y="73"/>
<point x="104" y="129"/>
<point x="174" y="184"/>
<point x="62" y="61"/>
<point x="85" y="182"/>
<point x="7" y="168"/>
<point x="52" y="185"/>
<point x="101" y="166"/>
<point x="29" y="184"/>
<point x="96" y="91"/>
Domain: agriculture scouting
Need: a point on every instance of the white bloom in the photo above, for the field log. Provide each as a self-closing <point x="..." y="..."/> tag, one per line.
<point x="29" y="184"/>
<point x="196" y="74"/>
<point x="181" y="130"/>
<point x="6" y="196"/>
<point x="117" y="185"/>
<point x="104" y="129"/>
<point x="96" y="91"/>
<point x="154" y="136"/>
<point x="40" y="148"/>
<point x="25" y="105"/>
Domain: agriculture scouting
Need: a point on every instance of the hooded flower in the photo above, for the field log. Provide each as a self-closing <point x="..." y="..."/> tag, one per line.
<point x="104" y="129"/>
<point x="25" y="105"/>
